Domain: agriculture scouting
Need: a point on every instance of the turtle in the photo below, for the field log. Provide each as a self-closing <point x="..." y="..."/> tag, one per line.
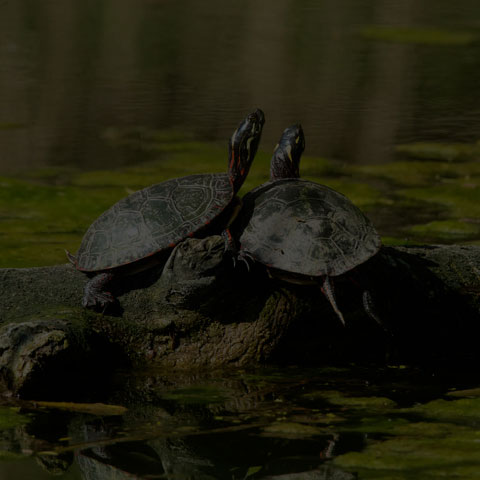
<point x="304" y="232"/>
<point x="131" y="235"/>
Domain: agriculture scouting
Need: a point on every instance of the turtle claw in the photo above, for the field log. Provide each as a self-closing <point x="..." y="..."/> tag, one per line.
<point x="98" y="299"/>
<point x="246" y="258"/>
<point x="246" y="263"/>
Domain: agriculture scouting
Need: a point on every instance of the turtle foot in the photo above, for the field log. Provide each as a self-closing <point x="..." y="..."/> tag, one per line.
<point x="98" y="299"/>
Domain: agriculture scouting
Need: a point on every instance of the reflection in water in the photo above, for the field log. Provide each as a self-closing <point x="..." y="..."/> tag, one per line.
<point x="189" y="427"/>
<point x="72" y="69"/>
<point x="271" y="424"/>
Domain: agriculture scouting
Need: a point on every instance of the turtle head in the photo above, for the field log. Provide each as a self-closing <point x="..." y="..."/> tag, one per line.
<point x="286" y="157"/>
<point x="243" y="147"/>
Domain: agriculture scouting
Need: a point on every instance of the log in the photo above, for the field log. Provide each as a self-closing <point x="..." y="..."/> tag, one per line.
<point x="198" y="311"/>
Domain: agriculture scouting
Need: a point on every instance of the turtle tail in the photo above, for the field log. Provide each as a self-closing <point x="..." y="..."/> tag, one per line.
<point x="71" y="258"/>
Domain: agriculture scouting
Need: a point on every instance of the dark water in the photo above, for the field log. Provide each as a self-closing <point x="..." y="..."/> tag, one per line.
<point x="71" y="69"/>
<point x="319" y="424"/>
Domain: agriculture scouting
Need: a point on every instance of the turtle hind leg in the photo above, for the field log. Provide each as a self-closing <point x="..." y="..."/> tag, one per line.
<point x="95" y="293"/>
<point x="327" y="290"/>
<point x="371" y="311"/>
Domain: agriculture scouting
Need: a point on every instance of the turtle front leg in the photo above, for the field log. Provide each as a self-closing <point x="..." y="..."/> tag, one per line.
<point x="234" y="252"/>
<point x="95" y="293"/>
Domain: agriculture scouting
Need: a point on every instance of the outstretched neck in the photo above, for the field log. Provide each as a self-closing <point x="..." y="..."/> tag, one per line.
<point x="239" y="166"/>
<point x="286" y="157"/>
<point x="282" y="165"/>
<point x="243" y="147"/>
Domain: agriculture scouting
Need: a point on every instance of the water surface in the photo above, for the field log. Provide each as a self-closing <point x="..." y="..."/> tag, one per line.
<point x="71" y="69"/>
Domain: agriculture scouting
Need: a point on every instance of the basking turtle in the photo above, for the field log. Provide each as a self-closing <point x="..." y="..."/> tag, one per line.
<point x="302" y="231"/>
<point x="129" y="236"/>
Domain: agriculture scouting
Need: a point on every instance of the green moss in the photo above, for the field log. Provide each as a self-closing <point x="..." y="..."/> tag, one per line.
<point x="320" y="168"/>
<point x="379" y="424"/>
<point x="443" y="442"/>
<point x="7" y="456"/>
<point x="461" y="199"/>
<point x="203" y="395"/>
<point x="40" y="218"/>
<point x="447" y="231"/>
<point x="11" y="418"/>
<point x="284" y="429"/>
<point x="448" y="452"/>
<point x="40" y="221"/>
<point x="421" y="36"/>
<point x="415" y="173"/>
<point x="471" y="392"/>
<point x="51" y="209"/>
<point x="459" y="410"/>
<point x="360" y="193"/>
<point x="99" y="409"/>
<point x="339" y="399"/>
<point x="441" y="151"/>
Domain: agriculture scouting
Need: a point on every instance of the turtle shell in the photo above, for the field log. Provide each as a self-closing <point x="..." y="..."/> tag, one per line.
<point x="153" y="219"/>
<point x="305" y="228"/>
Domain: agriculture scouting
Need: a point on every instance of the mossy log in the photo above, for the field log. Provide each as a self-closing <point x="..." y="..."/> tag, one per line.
<point x="199" y="311"/>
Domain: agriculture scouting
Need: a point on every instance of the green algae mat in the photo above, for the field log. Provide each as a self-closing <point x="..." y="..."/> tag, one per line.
<point x="429" y="194"/>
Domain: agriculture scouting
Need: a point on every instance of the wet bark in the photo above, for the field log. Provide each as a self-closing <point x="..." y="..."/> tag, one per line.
<point x="198" y="311"/>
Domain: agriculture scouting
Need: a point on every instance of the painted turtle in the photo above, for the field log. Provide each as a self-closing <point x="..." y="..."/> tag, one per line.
<point x="128" y="236"/>
<point x="302" y="231"/>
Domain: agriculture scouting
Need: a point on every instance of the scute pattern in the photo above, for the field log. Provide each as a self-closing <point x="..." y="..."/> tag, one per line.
<point x="153" y="219"/>
<point x="306" y="228"/>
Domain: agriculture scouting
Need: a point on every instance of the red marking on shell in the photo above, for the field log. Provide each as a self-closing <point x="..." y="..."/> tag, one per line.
<point x="190" y="234"/>
<point x="171" y="245"/>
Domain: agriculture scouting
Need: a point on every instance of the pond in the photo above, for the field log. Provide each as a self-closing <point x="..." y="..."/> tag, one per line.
<point x="100" y="98"/>
<point x="290" y="423"/>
